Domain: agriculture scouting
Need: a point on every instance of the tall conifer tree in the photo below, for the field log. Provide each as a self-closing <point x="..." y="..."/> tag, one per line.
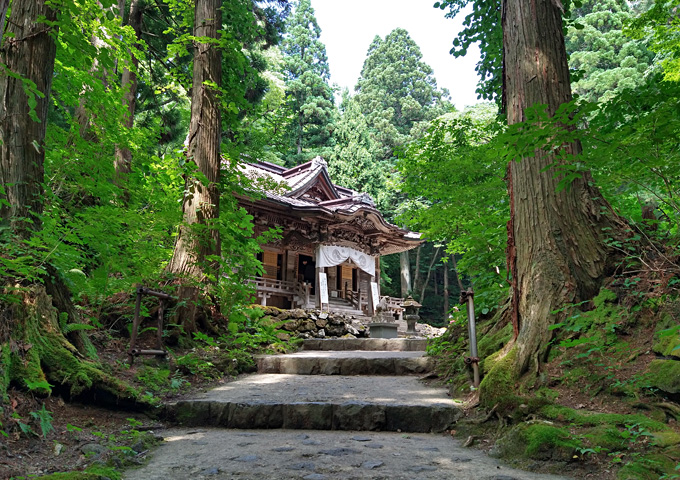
<point x="397" y="91"/>
<point x="310" y="98"/>
<point x="610" y="61"/>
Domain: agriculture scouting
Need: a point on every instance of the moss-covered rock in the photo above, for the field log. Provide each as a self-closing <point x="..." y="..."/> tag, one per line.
<point x="583" y="418"/>
<point x="536" y="441"/>
<point x="651" y="466"/>
<point x="667" y="336"/>
<point x="664" y="375"/>
<point x="666" y="438"/>
<point x="501" y="377"/>
<point x="492" y="343"/>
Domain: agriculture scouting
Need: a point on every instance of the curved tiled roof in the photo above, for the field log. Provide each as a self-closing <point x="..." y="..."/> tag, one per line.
<point x="308" y="188"/>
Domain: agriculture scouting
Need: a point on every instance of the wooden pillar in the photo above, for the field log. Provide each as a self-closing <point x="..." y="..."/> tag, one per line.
<point x="377" y="272"/>
<point x="264" y="297"/>
<point x="317" y="290"/>
<point x="291" y="264"/>
<point x="359" y="289"/>
<point x="370" y="306"/>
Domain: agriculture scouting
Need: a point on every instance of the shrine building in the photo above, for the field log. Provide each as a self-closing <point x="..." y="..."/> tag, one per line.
<point x="332" y="239"/>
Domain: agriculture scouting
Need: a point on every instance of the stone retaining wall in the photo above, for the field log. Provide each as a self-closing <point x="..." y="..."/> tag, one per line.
<point x="314" y="324"/>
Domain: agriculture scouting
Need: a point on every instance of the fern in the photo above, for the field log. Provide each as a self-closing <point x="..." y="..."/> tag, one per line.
<point x="44" y="417"/>
<point x="74" y="327"/>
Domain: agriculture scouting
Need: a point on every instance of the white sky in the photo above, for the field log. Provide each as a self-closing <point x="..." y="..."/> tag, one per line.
<point x="349" y="26"/>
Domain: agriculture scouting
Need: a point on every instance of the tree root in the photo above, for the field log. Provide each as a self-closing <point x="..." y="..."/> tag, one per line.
<point x="670" y="408"/>
<point x="38" y="356"/>
<point x="487" y="417"/>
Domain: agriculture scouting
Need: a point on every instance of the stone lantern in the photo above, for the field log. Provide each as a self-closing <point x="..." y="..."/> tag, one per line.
<point x="411" y="316"/>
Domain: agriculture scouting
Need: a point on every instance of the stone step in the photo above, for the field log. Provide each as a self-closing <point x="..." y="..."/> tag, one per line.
<point x="370" y="344"/>
<point x="349" y="362"/>
<point x="321" y="403"/>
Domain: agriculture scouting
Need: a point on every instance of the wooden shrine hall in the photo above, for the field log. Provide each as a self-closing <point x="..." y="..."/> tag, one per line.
<point x="332" y="238"/>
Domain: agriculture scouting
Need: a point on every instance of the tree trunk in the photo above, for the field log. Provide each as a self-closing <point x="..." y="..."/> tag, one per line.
<point x="429" y="273"/>
<point x="455" y="270"/>
<point x="561" y="256"/>
<point x="34" y="352"/>
<point x="405" y="268"/>
<point x="446" y="291"/>
<point x="198" y="236"/>
<point x="416" y="270"/>
<point x="299" y="135"/>
<point x="30" y="52"/>
<point x="123" y="160"/>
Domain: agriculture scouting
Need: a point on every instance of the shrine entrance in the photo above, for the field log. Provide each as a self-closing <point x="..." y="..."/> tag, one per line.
<point x="307" y="271"/>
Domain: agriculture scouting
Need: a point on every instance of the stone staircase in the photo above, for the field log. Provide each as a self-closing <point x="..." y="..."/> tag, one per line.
<point x="334" y="384"/>
<point x="340" y="305"/>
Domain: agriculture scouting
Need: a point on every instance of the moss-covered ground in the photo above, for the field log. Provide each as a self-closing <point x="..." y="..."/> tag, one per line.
<point x="604" y="404"/>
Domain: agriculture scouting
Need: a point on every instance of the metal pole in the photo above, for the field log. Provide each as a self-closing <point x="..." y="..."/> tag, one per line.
<point x="473" y="337"/>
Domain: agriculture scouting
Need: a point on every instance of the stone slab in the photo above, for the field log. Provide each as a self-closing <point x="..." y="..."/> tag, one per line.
<point x="374" y="344"/>
<point x="358" y="362"/>
<point x="306" y="454"/>
<point x="366" y="403"/>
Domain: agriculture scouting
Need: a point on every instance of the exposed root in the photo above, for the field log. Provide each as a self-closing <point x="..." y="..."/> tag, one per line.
<point x="487" y="417"/>
<point x="37" y="356"/>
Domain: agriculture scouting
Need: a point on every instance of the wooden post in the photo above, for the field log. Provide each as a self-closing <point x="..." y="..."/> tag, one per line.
<point x="359" y="289"/>
<point x="316" y="288"/>
<point x="370" y="307"/>
<point x="159" y="332"/>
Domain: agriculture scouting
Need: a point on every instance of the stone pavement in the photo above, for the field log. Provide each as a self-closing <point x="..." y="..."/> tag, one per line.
<point x="220" y="454"/>
<point x="378" y="423"/>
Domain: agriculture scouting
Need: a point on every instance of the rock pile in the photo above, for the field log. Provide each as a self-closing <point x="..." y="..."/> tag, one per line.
<point x="314" y="324"/>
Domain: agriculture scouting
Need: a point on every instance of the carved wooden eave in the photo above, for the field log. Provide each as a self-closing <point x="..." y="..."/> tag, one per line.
<point x="315" y="211"/>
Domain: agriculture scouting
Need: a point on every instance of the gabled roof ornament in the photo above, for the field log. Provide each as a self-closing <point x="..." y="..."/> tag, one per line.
<point x="319" y="162"/>
<point x="364" y="198"/>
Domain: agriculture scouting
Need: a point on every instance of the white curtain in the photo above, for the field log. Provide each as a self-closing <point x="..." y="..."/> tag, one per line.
<point x="330" y="256"/>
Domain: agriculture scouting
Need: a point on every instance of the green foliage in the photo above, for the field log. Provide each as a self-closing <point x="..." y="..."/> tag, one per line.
<point x="44" y="419"/>
<point x="454" y="178"/>
<point x="160" y="381"/>
<point x="483" y="25"/>
<point x="660" y="27"/>
<point x="355" y="160"/>
<point x="607" y="60"/>
<point x="397" y="92"/>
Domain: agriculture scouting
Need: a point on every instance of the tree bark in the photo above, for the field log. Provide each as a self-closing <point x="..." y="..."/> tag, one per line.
<point x="446" y="291"/>
<point x="30" y="52"/>
<point x="429" y="273"/>
<point x="416" y="270"/>
<point x="4" y="5"/>
<point x="123" y="159"/>
<point x="405" y="269"/>
<point x="561" y="256"/>
<point x="198" y="236"/>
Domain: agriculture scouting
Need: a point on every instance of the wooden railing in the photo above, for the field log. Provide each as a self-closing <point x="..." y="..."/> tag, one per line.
<point x="301" y="298"/>
<point x="299" y="294"/>
<point x="354" y="298"/>
<point x="395" y="305"/>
